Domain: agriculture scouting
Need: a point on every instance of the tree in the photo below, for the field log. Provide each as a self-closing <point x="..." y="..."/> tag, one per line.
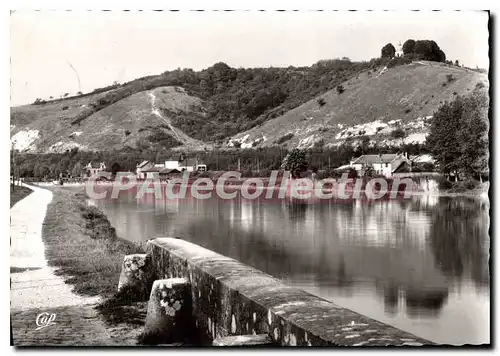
<point x="388" y="51"/>
<point x="408" y="47"/>
<point x="443" y="140"/>
<point x="399" y="133"/>
<point x="428" y="50"/>
<point x="115" y="167"/>
<point x="365" y="145"/>
<point x="473" y="134"/>
<point x="77" y="169"/>
<point x="457" y="63"/>
<point x="295" y="162"/>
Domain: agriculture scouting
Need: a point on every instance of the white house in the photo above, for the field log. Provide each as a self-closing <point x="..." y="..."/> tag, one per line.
<point x="172" y="164"/>
<point x="385" y="164"/>
<point x="94" y="168"/>
<point x="188" y="164"/>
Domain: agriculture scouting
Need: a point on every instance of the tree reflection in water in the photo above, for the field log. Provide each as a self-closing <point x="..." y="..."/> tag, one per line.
<point x="459" y="239"/>
<point x="297" y="209"/>
<point x="421" y="303"/>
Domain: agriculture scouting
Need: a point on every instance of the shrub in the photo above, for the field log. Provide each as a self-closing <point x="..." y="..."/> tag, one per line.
<point x="39" y="101"/>
<point x="127" y="132"/>
<point x="470" y="183"/>
<point x="480" y="85"/>
<point x="247" y="173"/>
<point x="444" y="183"/>
<point x="428" y="167"/>
<point x="321" y="102"/>
<point x="407" y="110"/>
<point x="65" y="107"/>
<point x="284" y="138"/>
<point x="340" y="89"/>
<point x="450" y="78"/>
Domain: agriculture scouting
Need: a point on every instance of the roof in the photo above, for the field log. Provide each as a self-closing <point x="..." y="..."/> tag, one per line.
<point x="423" y="158"/>
<point x="152" y="169"/>
<point x="371" y="159"/>
<point x="142" y="164"/>
<point x="398" y="162"/>
<point x="168" y="171"/>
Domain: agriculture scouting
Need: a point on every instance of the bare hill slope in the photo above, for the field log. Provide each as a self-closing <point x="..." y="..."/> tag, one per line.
<point x="133" y="121"/>
<point x="372" y="104"/>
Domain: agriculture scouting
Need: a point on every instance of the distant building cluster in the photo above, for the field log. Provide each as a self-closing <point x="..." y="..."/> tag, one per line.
<point x="386" y="164"/>
<point x="148" y="169"/>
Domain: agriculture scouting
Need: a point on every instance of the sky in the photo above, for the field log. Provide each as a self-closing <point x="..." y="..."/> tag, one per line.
<point x="57" y="52"/>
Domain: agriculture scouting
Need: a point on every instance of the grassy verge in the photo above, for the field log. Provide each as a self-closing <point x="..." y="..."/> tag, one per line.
<point x="83" y="245"/>
<point x="17" y="193"/>
<point x="81" y="242"/>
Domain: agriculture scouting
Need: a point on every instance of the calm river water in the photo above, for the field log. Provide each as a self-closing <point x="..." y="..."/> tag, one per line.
<point x="419" y="264"/>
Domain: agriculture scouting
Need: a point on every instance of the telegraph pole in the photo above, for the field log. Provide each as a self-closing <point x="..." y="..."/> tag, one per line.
<point x="13" y="166"/>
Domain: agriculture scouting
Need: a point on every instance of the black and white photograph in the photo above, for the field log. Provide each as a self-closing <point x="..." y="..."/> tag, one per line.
<point x="251" y="179"/>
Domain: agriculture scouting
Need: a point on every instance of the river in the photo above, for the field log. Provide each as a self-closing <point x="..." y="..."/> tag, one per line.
<point x="419" y="264"/>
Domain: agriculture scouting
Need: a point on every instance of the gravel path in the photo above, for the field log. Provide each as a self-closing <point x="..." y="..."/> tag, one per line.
<point x="35" y="289"/>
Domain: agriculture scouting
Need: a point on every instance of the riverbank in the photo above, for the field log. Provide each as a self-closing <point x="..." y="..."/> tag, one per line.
<point x="17" y="193"/>
<point x="83" y="245"/>
<point x="481" y="191"/>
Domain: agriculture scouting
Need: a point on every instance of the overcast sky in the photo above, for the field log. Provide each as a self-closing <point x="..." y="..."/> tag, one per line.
<point x="104" y="47"/>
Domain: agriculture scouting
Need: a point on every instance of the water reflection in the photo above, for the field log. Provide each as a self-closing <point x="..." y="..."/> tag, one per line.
<point x="402" y="262"/>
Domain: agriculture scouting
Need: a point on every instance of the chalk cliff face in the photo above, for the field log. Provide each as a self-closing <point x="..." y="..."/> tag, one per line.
<point x="373" y="103"/>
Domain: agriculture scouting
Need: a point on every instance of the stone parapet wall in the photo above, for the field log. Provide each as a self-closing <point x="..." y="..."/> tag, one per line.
<point x="231" y="298"/>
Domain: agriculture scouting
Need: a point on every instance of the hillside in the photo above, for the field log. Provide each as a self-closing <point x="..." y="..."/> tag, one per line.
<point x="256" y="107"/>
<point x="133" y="121"/>
<point x="227" y="101"/>
<point x="373" y="104"/>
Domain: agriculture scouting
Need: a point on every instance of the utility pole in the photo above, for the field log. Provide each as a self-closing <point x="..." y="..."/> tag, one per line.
<point x="239" y="164"/>
<point x="13" y="167"/>
<point x="217" y="155"/>
<point x="328" y="163"/>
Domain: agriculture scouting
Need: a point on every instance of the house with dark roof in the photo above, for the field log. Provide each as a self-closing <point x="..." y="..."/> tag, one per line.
<point x="385" y="164"/>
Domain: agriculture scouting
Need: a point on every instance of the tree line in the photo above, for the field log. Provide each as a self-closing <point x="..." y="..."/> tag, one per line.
<point x="255" y="161"/>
